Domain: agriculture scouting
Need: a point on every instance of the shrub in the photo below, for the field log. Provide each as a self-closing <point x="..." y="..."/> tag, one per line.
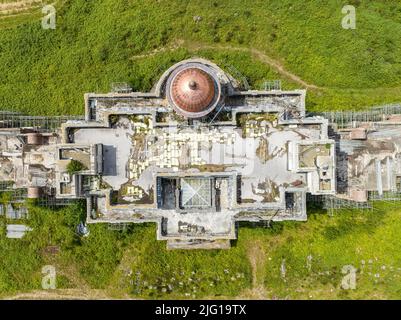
<point x="75" y="166"/>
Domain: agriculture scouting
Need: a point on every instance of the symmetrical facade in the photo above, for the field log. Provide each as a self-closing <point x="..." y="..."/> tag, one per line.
<point x="196" y="155"/>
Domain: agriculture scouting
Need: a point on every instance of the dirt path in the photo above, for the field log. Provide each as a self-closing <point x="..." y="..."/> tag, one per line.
<point x="62" y="294"/>
<point x="18" y="6"/>
<point x="261" y="56"/>
<point x="257" y="256"/>
<point x="275" y="64"/>
<point x="171" y="47"/>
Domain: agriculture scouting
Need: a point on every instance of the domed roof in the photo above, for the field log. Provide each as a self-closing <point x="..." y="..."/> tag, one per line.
<point x="193" y="92"/>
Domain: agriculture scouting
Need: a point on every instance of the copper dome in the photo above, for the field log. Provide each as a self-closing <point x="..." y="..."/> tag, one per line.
<point x="193" y="92"/>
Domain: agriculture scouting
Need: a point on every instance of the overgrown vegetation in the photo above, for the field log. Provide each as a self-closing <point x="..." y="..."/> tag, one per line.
<point x="289" y="260"/>
<point x="129" y="262"/>
<point x="100" y="42"/>
<point x="22" y="259"/>
<point x="53" y="241"/>
<point x="311" y="259"/>
<point x="75" y="166"/>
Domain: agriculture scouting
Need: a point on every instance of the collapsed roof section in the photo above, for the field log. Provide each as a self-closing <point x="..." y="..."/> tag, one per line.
<point x="197" y="154"/>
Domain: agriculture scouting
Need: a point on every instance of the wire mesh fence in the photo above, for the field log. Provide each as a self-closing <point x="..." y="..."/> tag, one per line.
<point x="9" y="119"/>
<point x="120" y="226"/>
<point x="272" y="85"/>
<point x="6" y="185"/>
<point x="385" y="196"/>
<point x="349" y="119"/>
<point x="335" y="204"/>
<point x="19" y="195"/>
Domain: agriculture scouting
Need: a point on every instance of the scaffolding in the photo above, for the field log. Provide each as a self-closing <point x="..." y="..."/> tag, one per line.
<point x="6" y="185"/>
<point x="212" y="117"/>
<point x="243" y="82"/>
<point x="9" y="119"/>
<point x="53" y="202"/>
<point x="120" y="87"/>
<point x="350" y="119"/>
<point x="19" y="195"/>
<point x="333" y="204"/>
<point x="272" y="85"/>
<point x="385" y="196"/>
<point x="120" y="226"/>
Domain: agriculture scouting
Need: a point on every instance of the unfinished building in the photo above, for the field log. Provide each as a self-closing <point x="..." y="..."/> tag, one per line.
<point x="197" y="154"/>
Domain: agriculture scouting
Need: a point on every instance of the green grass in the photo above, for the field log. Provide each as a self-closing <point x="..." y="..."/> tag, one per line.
<point x="95" y="43"/>
<point x="94" y="258"/>
<point x="23" y="259"/>
<point x="99" y="42"/>
<point x="101" y="260"/>
<point x="132" y="263"/>
<point x="368" y="241"/>
<point x="75" y="166"/>
<point x="160" y="273"/>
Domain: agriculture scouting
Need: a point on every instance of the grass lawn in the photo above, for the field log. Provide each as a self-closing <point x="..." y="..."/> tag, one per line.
<point x="313" y="256"/>
<point x="290" y="260"/>
<point x="100" y="42"/>
<point x="123" y="263"/>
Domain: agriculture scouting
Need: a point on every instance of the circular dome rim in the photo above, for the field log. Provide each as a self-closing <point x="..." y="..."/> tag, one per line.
<point x="213" y="101"/>
<point x="196" y="98"/>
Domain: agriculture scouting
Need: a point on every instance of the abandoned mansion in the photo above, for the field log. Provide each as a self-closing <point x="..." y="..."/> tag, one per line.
<point x="198" y="154"/>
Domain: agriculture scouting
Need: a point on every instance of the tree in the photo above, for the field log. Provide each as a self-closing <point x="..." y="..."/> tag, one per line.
<point x="75" y="166"/>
